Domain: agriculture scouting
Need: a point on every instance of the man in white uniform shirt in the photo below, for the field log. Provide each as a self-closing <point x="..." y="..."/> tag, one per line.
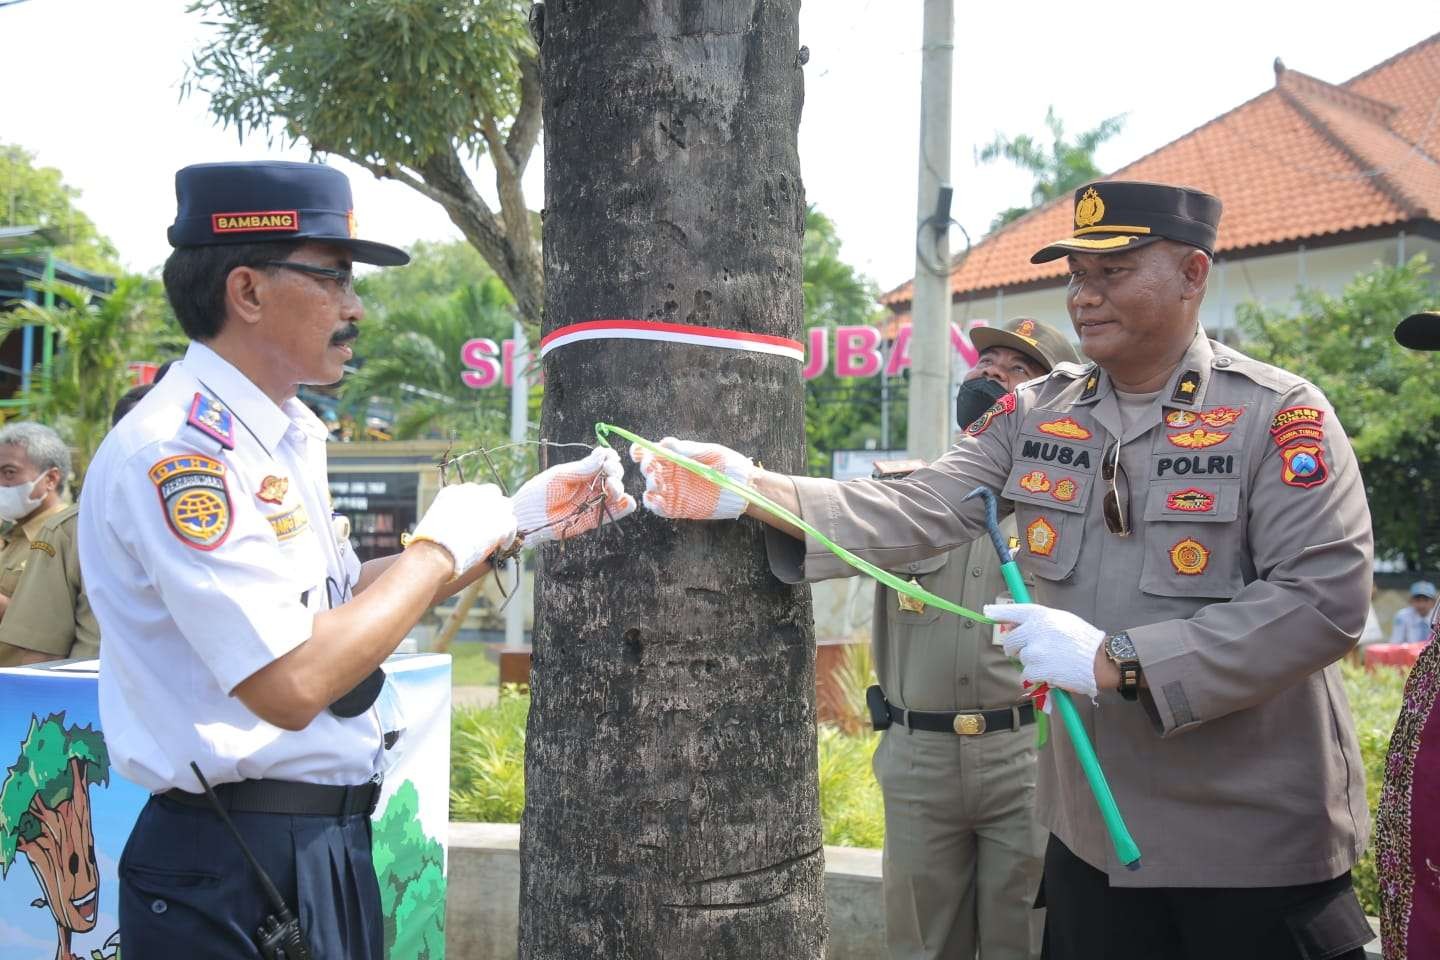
<point x="241" y="631"/>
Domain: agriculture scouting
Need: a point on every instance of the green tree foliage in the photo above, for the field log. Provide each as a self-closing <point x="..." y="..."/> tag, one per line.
<point x="34" y="196"/>
<point x="840" y="412"/>
<point x="410" y="865"/>
<point x="1387" y="397"/>
<point x="413" y="90"/>
<point x="1058" y="167"/>
<point x="42" y="772"/>
<point x="417" y="321"/>
<point x="95" y="338"/>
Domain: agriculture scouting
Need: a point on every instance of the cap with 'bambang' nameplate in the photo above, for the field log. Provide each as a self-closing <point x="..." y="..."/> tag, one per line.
<point x="268" y="201"/>
<point x="1114" y="216"/>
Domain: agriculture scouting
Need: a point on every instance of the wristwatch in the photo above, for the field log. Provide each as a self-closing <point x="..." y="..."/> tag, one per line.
<point x="1121" y="651"/>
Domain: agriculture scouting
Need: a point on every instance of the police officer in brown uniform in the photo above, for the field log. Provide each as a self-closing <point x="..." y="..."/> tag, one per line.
<point x="957" y="762"/>
<point x="1207" y="566"/>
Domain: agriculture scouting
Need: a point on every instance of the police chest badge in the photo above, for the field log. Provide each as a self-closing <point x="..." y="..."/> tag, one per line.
<point x="1189" y="557"/>
<point x="273" y="489"/>
<point x="195" y="499"/>
<point x="909" y="604"/>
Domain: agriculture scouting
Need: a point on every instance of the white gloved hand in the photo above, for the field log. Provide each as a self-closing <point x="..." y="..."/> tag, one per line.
<point x="470" y="520"/>
<point x="1054" y="646"/>
<point x="551" y="505"/>
<point x="674" y="492"/>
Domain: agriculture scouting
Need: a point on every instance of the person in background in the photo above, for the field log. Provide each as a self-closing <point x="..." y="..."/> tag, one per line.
<point x="956" y="764"/>
<point x="49" y="616"/>
<point x="1407" y="823"/>
<point x="1412" y="621"/>
<point x="34" y="465"/>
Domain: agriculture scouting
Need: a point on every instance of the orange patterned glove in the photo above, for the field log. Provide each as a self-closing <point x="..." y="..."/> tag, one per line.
<point x="565" y="501"/>
<point x="674" y="492"/>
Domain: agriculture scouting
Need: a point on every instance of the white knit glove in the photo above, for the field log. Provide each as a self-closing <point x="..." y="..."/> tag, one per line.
<point x="561" y="502"/>
<point x="674" y="492"/>
<point x="1054" y="646"/>
<point x="470" y="520"/>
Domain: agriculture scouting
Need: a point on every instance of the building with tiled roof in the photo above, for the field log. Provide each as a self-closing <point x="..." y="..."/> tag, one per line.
<point x="1319" y="182"/>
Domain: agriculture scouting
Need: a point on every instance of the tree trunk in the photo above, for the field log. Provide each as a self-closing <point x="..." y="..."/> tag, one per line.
<point x="671" y="806"/>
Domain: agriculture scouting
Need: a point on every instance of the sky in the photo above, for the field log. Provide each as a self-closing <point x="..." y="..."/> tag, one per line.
<point x="99" y="98"/>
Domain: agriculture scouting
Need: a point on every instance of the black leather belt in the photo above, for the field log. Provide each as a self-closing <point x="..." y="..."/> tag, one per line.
<point x="285" y="797"/>
<point x="971" y="723"/>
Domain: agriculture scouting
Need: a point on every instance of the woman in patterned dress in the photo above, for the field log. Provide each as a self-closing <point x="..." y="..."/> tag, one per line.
<point x="1407" y="827"/>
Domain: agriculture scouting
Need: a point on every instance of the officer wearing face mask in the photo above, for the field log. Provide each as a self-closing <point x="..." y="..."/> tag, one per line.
<point x="34" y="465"/>
<point x="956" y="765"/>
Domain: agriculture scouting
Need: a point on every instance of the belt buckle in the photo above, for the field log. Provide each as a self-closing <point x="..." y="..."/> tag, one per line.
<point x="969" y="724"/>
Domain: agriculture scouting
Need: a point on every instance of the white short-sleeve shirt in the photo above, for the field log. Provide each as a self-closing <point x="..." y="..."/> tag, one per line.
<point x="207" y="549"/>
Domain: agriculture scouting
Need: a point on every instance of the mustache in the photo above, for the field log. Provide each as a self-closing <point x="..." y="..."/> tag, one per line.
<point x="351" y="331"/>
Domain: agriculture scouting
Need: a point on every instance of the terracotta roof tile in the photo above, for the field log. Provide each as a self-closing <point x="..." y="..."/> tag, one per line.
<point x="1304" y="159"/>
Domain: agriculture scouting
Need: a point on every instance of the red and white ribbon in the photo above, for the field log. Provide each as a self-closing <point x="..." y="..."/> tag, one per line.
<point x="673" y="333"/>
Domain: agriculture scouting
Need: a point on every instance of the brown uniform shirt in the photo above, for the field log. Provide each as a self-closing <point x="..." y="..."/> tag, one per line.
<point x="1245" y="578"/>
<point x="15" y="551"/>
<point x="933" y="660"/>
<point x="49" y="612"/>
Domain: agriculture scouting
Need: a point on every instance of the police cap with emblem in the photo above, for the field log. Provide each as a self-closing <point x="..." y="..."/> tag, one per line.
<point x="1038" y="341"/>
<point x="1420" y="331"/>
<point x="1113" y="216"/>
<point x="270" y="200"/>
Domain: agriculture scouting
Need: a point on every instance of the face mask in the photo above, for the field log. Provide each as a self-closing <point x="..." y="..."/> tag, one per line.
<point x="16" y="502"/>
<point x="975" y="397"/>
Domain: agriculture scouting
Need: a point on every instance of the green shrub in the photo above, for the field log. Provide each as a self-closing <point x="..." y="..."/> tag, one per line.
<point x="487" y="772"/>
<point x="1375" y="697"/>
<point x="487" y="759"/>
<point x="851" y="810"/>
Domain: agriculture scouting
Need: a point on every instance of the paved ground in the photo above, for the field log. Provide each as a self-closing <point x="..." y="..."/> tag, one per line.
<point x="482" y="696"/>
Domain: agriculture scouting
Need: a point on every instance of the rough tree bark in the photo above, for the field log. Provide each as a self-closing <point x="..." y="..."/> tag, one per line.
<point x="671" y="806"/>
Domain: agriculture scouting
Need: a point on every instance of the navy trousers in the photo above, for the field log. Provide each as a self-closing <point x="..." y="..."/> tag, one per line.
<point x="186" y="889"/>
<point x="1087" y="919"/>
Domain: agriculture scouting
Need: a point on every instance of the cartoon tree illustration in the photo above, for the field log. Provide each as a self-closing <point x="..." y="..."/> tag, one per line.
<point x="411" y="867"/>
<point x="45" y="814"/>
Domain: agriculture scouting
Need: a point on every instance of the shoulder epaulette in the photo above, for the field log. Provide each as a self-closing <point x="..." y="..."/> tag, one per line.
<point x="210" y="417"/>
<point x="1072" y="371"/>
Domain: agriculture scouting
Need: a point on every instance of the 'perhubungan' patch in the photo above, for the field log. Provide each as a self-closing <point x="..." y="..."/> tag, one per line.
<point x="194" y="498"/>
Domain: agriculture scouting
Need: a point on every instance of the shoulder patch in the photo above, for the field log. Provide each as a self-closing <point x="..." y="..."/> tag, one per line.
<point x="1303" y="465"/>
<point x="195" y="498"/>
<point x="42" y="545"/>
<point x="211" y="418"/>
<point x="1004" y="405"/>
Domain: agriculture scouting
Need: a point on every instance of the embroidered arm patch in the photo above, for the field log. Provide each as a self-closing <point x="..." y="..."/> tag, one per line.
<point x="195" y="499"/>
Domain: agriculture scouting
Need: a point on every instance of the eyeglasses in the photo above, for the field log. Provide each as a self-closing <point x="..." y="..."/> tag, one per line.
<point x="1115" y="505"/>
<point x="344" y="280"/>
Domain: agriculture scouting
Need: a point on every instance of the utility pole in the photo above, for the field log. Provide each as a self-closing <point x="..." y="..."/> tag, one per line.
<point x="929" y="429"/>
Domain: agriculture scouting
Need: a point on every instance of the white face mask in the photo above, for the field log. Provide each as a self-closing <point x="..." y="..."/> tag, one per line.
<point x="16" y="501"/>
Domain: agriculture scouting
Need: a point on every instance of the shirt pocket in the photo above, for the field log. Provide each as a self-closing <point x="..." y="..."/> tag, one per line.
<point x="924" y="572"/>
<point x="1192" y="540"/>
<point x="1050" y="500"/>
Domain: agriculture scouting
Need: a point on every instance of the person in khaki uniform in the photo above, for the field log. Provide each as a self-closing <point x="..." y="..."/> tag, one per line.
<point x="49" y="617"/>
<point x="956" y="764"/>
<point x="1202" y="557"/>
<point x="34" y="465"/>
